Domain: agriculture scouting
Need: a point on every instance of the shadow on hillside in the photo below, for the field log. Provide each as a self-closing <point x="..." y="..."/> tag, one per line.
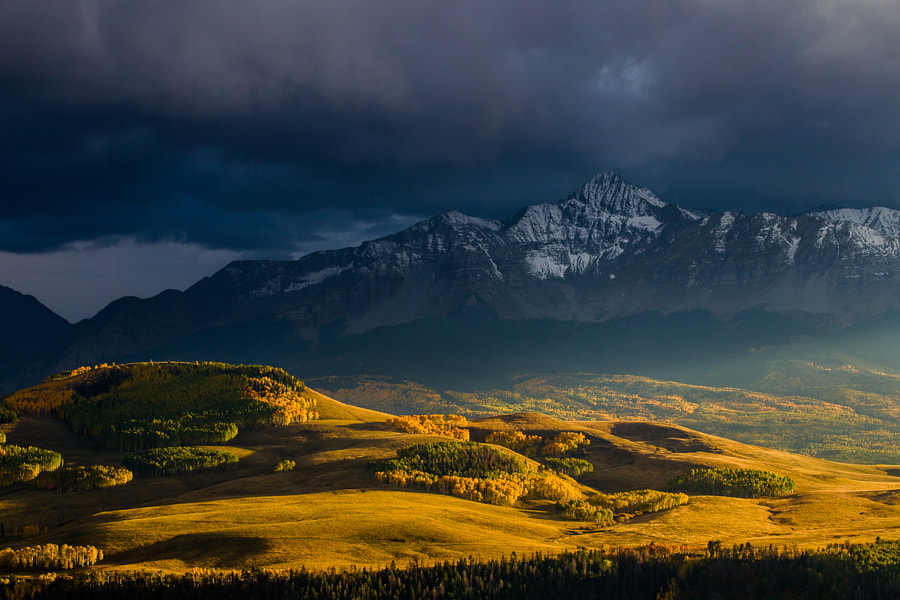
<point x="210" y="550"/>
<point x="370" y="426"/>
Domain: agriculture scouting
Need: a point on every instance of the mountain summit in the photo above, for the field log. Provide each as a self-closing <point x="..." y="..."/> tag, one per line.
<point x="611" y="249"/>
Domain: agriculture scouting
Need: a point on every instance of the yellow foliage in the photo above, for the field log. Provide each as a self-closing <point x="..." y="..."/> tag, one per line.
<point x="534" y="445"/>
<point x="292" y="407"/>
<point x="452" y="426"/>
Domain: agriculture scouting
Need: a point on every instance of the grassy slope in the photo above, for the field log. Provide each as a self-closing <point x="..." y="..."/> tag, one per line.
<point x="330" y="512"/>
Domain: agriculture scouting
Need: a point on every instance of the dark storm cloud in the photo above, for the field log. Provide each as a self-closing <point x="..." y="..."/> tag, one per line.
<point x="259" y="126"/>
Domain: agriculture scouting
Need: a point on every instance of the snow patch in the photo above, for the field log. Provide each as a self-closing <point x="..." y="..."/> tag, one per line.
<point x="316" y="277"/>
<point x="725" y="223"/>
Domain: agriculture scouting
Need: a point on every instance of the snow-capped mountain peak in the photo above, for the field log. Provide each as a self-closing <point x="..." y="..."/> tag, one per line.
<point x="609" y="191"/>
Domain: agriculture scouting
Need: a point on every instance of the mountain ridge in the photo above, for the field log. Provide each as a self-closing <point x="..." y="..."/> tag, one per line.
<point x="611" y="249"/>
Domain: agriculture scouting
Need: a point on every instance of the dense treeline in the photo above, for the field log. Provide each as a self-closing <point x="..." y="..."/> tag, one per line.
<point x="49" y="557"/>
<point x="452" y="426"/>
<point x="653" y="572"/>
<point x="607" y="508"/>
<point x="151" y="405"/>
<point x="740" y="483"/>
<point x="21" y="464"/>
<point x="563" y="444"/>
<point x="82" y="479"/>
<point x="7" y="415"/>
<point x="472" y="471"/>
<point x="176" y="460"/>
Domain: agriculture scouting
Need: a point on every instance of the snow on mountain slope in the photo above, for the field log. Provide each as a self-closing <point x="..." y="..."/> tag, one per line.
<point x="610" y="249"/>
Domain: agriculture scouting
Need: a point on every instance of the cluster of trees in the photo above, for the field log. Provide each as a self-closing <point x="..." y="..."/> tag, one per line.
<point x="49" y="557"/>
<point x="452" y="426"/>
<point x="606" y="508"/>
<point x="285" y="465"/>
<point x="82" y="479"/>
<point x="572" y="467"/>
<point x="176" y="460"/>
<point x="532" y="446"/>
<point x="466" y="459"/>
<point x="644" y="573"/>
<point x="7" y="415"/>
<point x="21" y="464"/>
<point x="151" y="405"/>
<point x="158" y="433"/>
<point x="472" y="471"/>
<point x="740" y="483"/>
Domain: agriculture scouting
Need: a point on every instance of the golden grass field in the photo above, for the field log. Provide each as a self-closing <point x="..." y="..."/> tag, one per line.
<point x="330" y="512"/>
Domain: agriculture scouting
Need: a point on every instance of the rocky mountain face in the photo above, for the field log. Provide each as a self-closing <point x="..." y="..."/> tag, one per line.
<point x="611" y="249"/>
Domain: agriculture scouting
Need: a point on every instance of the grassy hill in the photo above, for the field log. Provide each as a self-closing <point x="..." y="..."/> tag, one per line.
<point x="330" y="511"/>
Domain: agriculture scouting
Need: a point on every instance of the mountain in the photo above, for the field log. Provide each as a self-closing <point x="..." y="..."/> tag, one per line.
<point x="25" y="326"/>
<point x="610" y="251"/>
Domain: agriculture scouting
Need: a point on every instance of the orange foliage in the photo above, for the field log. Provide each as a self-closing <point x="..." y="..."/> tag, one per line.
<point x="292" y="407"/>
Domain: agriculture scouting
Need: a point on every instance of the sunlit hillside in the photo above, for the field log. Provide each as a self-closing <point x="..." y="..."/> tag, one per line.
<point x="306" y="494"/>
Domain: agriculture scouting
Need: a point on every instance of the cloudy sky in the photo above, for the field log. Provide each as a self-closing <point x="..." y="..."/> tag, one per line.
<point x="146" y="144"/>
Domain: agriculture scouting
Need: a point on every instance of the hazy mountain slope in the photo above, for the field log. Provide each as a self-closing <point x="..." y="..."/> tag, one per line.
<point x="25" y="326"/>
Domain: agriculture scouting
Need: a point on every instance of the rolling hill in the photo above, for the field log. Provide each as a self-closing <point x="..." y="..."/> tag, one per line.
<point x="330" y="511"/>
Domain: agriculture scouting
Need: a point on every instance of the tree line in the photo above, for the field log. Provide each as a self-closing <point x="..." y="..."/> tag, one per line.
<point x="651" y="572"/>
<point x="48" y="557"/>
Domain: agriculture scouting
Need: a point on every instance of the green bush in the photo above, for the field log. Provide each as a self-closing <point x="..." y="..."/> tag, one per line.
<point x="177" y="460"/>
